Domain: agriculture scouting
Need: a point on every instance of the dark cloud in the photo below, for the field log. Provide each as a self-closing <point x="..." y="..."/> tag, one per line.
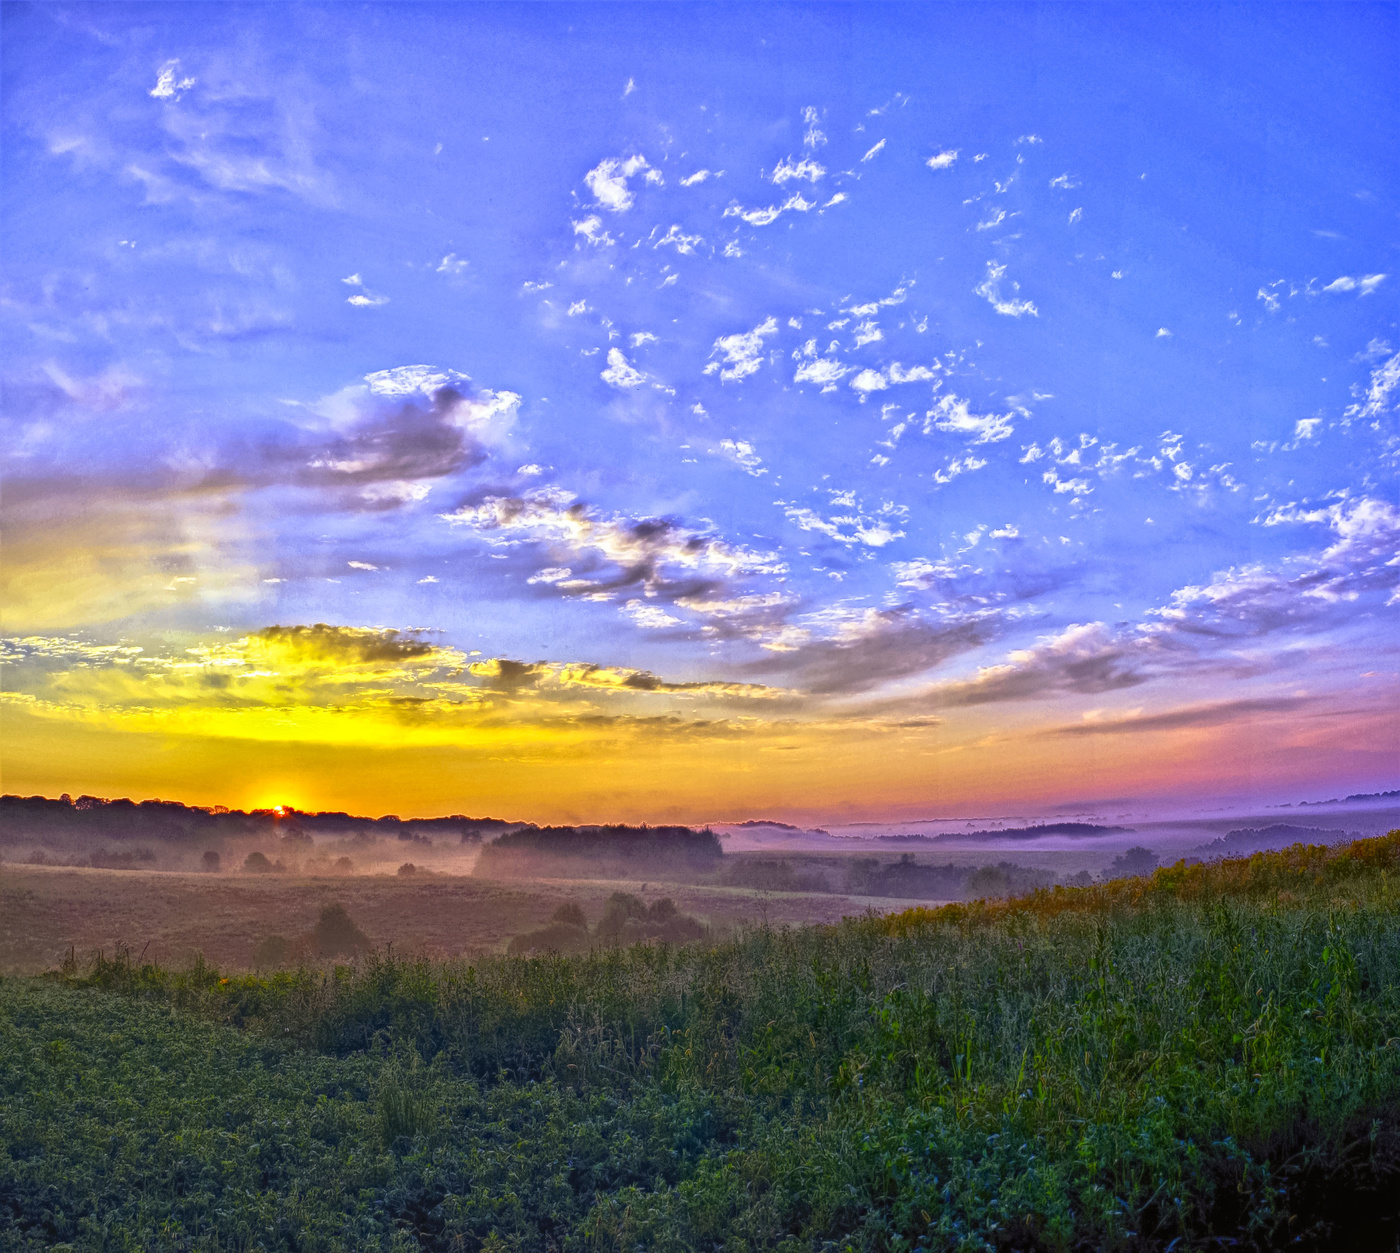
<point x="337" y="645"/>
<point x="878" y="646"/>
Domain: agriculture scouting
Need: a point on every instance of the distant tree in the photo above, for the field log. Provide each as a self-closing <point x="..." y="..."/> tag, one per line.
<point x="257" y="863"/>
<point x="621" y="907"/>
<point x="1133" y="862"/>
<point x="1081" y="879"/>
<point x="408" y="868"/>
<point x="570" y="914"/>
<point x="211" y="861"/>
<point x="343" y="865"/>
<point x="336" y="935"/>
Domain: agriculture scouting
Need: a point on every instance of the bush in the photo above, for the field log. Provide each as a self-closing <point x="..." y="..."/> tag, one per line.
<point x="257" y="863"/>
<point x="272" y="951"/>
<point x="335" y="935"/>
<point x="571" y="915"/>
<point x="557" y="937"/>
<point x="211" y="861"/>
<point x="408" y="868"/>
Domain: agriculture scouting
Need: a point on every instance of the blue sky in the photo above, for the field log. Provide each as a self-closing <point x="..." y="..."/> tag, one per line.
<point x="929" y="375"/>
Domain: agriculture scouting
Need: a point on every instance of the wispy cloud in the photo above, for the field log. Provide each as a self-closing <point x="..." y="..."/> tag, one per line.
<point x="741" y="354"/>
<point x="990" y="289"/>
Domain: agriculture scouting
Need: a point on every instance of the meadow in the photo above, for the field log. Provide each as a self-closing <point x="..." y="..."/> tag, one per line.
<point x="1205" y="1058"/>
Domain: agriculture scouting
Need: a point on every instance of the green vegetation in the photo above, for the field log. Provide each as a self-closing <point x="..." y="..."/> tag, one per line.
<point x="1207" y="1056"/>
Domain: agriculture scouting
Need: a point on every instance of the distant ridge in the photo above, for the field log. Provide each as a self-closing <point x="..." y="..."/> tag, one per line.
<point x="763" y="822"/>
<point x="1359" y="796"/>
<point x="1076" y="830"/>
<point x="1248" y="840"/>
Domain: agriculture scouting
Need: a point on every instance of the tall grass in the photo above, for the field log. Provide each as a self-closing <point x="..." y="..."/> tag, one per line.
<point x="1211" y="1053"/>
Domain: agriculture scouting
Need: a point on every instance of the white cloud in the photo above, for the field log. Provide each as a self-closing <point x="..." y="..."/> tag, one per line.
<point x="361" y="565"/>
<point x="1269" y="297"/>
<point x="990" y="290"/>
<point x="867" y="333"/>
<point x="452" y="264"/>
<point x="608" y="181"/>
<point x="838" y="198"/>
<point x="643" y="546"/>
<point x="745" y="455"/>
<point x="1075" y="215"/>
<point x="943" y="160"/>
<point x="649" y="617"/>
<point x="1162" y="333"/>
<point x="812" y="137"/>
<point x="1385" y="381"/>
<point x="766" y="217"/>
<point x="1305" y="428"/>
<point x="807" y="169"/>
<point x="698" y="177"/>
<point x="1366" y="284"/>
<point x="741" y="353"/>
<point x="873" y="151"/>
<point x="168" y="85"/>
<point x="591" y="228"/>
<point x="1030" y="139"/>
<point x="896" y="297"/>
<point x="551" y="575"/>
<point x="953" y="415"/>
<point x="630" y="88"/>
<point x="995" y="217"/>
<point x="620" y="373"/>
<point x="579" y="306"/>
<point x="428" y="578"/>
<point x="1076" y="487"/>
<point x="869" y="381"/>
<point x="682" y="243"/>
<point x="639" y="338"/>
<point x="362" y="301"/>
<point x="531" y="470"/>
<point x="1064" y="182"/>
<point x="854" y="528"/>
<point x="353" y="280"/>
<point x="822" y="371"/>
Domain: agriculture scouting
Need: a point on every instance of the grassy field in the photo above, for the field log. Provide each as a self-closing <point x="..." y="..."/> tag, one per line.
<point x="1208" y="1058"/>
<point x="45" y="910"/>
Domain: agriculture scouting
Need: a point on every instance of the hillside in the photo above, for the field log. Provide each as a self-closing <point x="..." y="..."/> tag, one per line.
<point x="1201" y="1058"/>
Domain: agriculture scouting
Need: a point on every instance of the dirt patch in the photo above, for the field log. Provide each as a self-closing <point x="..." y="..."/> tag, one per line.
<point x="45" y="910"/>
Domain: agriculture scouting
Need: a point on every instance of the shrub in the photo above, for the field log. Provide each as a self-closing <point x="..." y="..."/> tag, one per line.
<point x="272" y="951"/>
<point x="570" y="914"/>
<point x="257" y="863"/>
<point x="211" y="861"/>
<point x="335" y="935"/>
<point x="408" y="868"/>
<point x="557" y="937"/>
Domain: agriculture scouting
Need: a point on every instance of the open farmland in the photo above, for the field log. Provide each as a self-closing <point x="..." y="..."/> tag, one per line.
<point x="46" y="910"/>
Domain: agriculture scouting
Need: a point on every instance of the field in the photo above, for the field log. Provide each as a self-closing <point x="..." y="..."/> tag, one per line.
<point x="171" y="916"/>
<point x="1207" y="1058"/>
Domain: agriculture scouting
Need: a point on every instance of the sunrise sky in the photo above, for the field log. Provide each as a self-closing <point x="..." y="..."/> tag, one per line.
<point x="664" y="412"/>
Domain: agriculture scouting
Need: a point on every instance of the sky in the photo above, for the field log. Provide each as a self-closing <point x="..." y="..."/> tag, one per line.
<point x="674" y="412"/>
